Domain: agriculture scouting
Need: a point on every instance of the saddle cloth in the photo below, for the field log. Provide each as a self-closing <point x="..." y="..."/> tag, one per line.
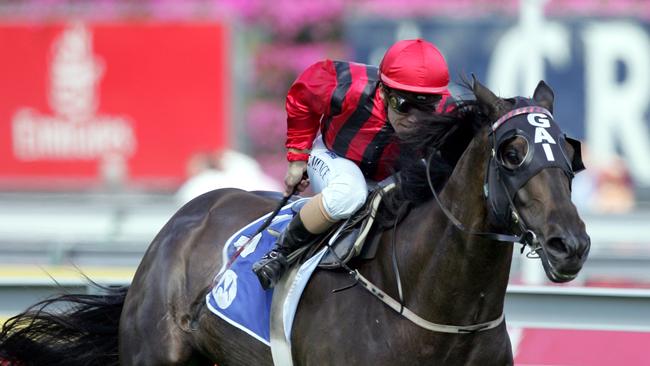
<point x="238" y="297"/>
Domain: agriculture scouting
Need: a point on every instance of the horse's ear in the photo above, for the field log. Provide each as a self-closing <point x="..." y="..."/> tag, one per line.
<point x="544" y="95"/>
<point x="486" y="98"/>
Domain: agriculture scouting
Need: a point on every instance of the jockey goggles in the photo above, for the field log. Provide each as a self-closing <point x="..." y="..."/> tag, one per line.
<point x="403" y="103"/>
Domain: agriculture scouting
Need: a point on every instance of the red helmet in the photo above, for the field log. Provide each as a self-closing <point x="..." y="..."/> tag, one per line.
<point x="416" y="66"/>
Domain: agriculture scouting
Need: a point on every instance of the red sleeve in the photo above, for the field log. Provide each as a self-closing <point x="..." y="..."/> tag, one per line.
<point x="308" y="99"/>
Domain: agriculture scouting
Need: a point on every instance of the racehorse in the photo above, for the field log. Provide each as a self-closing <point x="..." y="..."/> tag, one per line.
<point x="473" y="182"/>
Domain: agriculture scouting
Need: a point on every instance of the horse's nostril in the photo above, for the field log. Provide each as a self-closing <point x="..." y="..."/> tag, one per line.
<point x="559" y="246"/>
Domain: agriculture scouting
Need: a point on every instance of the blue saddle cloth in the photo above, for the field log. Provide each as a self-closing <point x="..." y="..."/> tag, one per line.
<point x="238" y="296"/>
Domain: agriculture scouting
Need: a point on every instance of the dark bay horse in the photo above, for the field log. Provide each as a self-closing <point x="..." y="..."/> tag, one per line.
<point x="452" y="269"/>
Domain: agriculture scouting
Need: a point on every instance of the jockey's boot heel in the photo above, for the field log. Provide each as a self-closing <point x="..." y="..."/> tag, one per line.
<point x="270" y="268"/>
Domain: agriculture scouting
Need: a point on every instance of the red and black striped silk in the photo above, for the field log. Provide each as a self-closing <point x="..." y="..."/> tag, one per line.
<point x="342" y="99"/>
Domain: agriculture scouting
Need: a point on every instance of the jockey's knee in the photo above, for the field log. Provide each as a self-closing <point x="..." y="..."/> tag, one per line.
<point x="342" y="200"/>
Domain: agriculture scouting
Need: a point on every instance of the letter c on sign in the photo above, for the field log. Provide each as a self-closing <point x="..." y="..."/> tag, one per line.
<point x="539" y="120"/>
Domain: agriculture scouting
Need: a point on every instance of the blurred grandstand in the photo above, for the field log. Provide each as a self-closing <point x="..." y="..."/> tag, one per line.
<point x="104" y="105"/>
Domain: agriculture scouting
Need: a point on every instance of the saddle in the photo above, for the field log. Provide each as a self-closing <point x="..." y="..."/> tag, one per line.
<point x="358" y="236"/>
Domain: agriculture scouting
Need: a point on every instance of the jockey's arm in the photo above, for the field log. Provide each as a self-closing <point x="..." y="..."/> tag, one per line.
<point x="307" y="101"/>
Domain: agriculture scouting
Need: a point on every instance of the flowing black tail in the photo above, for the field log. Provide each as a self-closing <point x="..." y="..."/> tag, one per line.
<point x="69" y="330"/>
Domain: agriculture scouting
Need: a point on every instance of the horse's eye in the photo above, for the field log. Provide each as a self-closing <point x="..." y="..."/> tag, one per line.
<point x="513" y="157"/>
<point x="512" y="152"/>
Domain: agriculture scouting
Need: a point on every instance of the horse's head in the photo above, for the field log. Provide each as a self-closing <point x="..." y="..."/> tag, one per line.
<point x="528" y="182"/>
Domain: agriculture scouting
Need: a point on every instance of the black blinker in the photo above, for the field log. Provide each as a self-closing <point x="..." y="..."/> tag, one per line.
<point x="576" y="163"/>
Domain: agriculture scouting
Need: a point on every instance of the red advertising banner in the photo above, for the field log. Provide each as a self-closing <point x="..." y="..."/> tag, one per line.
<point x="80" y="102"/>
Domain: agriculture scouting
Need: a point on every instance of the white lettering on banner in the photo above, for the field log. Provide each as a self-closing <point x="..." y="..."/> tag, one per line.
<point x="541" y="123"/>
<point x="37" y="137"/>
<point x="616" y="109"/>
<point x="518" y="61"/>
<point x="75" y="132"/>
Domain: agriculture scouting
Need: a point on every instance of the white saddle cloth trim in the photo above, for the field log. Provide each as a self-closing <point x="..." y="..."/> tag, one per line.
<point x="286" y="296"/>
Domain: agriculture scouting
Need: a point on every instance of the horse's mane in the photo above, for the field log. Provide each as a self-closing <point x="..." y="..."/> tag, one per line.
<point x="447" y="135"/>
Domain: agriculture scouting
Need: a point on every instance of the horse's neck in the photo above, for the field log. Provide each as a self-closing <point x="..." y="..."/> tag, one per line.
<point x="461" y="276"/>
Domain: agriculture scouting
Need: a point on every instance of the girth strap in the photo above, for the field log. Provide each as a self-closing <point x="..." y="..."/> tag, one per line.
<point x="408" y="314"/>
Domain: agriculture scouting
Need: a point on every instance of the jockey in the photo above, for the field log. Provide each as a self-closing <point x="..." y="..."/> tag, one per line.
<point x="342" y="119"/>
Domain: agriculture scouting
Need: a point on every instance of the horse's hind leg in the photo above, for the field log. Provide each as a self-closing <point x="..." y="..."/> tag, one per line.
<point x="149" y="335"/>
<point x="154" y="327"/>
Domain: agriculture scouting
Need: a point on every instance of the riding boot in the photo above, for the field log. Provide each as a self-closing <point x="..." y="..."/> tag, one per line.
<point x="270" y="268"/>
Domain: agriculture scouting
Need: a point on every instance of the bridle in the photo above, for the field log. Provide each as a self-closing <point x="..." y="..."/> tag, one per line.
<point x="501" y="183"/>
<point x="527" y="237"/>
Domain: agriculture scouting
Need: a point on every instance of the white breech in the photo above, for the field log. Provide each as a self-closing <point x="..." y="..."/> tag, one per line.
<point x="338" y="179"/>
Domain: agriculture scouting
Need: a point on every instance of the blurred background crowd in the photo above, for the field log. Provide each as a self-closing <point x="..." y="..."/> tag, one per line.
<point x="113" y="113"/>
<point x="216" y="73"/>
